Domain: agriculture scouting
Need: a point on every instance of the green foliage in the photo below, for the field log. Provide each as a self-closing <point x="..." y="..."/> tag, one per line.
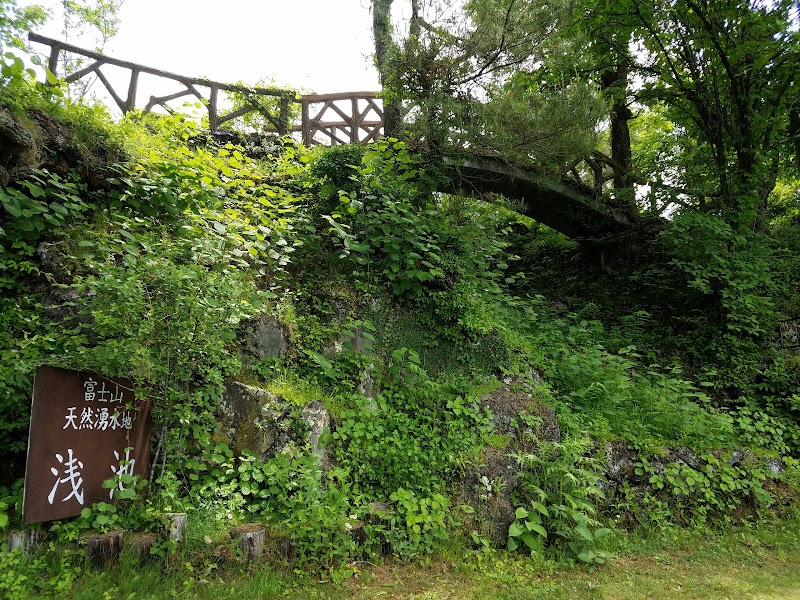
<point x="395" y="234"/>
<point x="411" y="437"/>
<point x="531" y="123"/>
<point x="527" y="529"/>
<point x="151" y="277"/>
<point x="45" y="201"/>
<point x="691" y="495"/>
<point x="627" y="399"/>
<point x="19" y="86"/>
<point x="337" y="166"/>
<point x="23" y="576"/>
<point x="474" y="79"/>
<point x="730" y="266"/>
<point x="423" y="523"/>
<point x="760" y="425"/>
<point x="16" y="20"/>
<point x="561" y="485"/>
<point x="266" y="108"/>
<point x="336" y="169"/>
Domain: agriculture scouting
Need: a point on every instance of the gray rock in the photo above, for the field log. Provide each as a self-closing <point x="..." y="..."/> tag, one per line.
<point x="487" y="489"/>
<point x="17" y="146"/>
<point x="508" y="403"/>
<point x="535" y="377"/>
<point x="683" y="456"/>
<point x="255" y="420"/>
<point x="621" y="462"/>
<point x="69" y="308"/>
<point x="788" y="335"/>
<point x="737" y="457"/>
<point x="318" y="420"/>
<point x="549" y="430"/>
<point x="331" y="351"/>
<point x="264" y="424"/>
<point x="52" y="260"/>
<point x="367" y="388"/>
<point x="609" y="489"/>
<point x="775" y="465"/>
<point x="263" y="338"/>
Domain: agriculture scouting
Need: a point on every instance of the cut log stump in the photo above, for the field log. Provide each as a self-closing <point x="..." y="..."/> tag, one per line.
<point x="24" y="539"/>
<point x="381" y="514"/>
<point x="17" y="540"/>
<point x="176" y="526"/>
<point x="140" y="544"/>
<point x="251" y="538"/>
<point x="104" y="549"/>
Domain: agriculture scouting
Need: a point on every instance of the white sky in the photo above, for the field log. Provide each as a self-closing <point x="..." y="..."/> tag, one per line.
<point x="312" y="45"/>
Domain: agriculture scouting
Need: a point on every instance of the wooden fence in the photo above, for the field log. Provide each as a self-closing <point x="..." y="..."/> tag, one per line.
<point x="324" y="118"/>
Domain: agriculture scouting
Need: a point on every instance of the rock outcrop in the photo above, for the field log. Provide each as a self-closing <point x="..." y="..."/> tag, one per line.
<point x="262" y="423"/>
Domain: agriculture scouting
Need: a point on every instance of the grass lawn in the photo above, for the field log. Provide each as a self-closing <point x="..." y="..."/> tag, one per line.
<point x="746" y="562"/>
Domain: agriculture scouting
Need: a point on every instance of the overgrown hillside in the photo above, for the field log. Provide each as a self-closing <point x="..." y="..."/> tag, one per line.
<point x="371" y="368"/>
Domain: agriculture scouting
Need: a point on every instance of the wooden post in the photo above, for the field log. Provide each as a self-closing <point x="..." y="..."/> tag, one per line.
<point x="104" y="550"/>
<point x="380" y="513"/>
<point x="176" y="526"/>
<point x="251" y="538"/>
<point x="52" y="64"/>
<point x="130" y="102"/>
<point x="283" y="119"/>
<point x="305" y="124"/>
<point x="213" y="119"/>
<point x="17" y="540"/>
<point x="354" y="137"/>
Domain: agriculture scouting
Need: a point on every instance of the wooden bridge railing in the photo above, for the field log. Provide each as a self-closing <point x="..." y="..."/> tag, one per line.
<point x="344" y="118"/>
<point x="565" y="203"/>
<point x="324" y="118"/>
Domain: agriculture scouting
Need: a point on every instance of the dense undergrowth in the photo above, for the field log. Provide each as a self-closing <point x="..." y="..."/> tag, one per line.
<point x="139" y="248"/>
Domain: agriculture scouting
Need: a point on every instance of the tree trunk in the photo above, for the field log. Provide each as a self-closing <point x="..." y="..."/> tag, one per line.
<point x="615" y="83"/>
<point x="794" y="131"/>
<point x="382" y="33"/>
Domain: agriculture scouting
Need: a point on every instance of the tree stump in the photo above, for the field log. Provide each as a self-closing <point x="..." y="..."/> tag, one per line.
<point x="357" y="531"/>
<point x="251" y="538"/>
<point x="278" y="547"/>
<point x="140" y="544"/>
<point x="17" y="540"/>
<point x="104" y="550"/>
<point x="25" y="539"/>
<point x="176" y="526"/>
<point x="380" y="514"/>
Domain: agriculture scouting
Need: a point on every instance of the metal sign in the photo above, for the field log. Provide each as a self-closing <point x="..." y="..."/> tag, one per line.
<point x="84" y="430"/>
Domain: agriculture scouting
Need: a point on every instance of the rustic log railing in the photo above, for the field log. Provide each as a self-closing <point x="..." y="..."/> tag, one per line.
<point x="351" y="117"/>
<point x="324" y="118"/>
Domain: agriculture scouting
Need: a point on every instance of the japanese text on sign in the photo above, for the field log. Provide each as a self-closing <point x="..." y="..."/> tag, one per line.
<point x="85" y="429"/>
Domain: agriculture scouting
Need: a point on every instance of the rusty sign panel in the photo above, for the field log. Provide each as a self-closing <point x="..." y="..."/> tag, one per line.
<point x="84" y="429"/>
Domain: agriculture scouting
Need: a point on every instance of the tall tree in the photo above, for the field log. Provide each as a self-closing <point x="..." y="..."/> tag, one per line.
<point x="384" y="45"/>
<point x="726" y="71"/>
<point x="463" y="65"/>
